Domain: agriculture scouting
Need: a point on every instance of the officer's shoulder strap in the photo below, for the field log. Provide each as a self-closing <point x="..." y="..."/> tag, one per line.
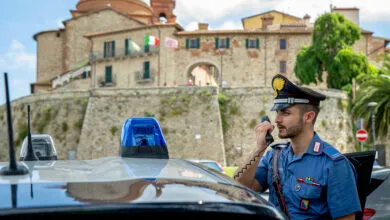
<point x="332" y="152"/>
<point x="280" y="145"/>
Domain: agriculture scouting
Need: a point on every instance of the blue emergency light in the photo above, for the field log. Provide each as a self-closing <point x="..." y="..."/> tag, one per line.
<point x="142" y="137"/>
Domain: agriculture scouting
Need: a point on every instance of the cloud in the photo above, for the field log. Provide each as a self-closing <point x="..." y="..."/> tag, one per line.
<point x="59" y="23"/>
<point x="20" y="66"/>
<point x="17" y="58"/>
<point x="192" y="26"/>
<point x="230" y="25"/>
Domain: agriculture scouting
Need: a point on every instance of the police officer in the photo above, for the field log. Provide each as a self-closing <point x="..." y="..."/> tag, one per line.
<point x="307" y="177"/>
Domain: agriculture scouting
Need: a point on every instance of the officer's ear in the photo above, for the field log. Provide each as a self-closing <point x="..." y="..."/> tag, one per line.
<point x="309" y="117"/>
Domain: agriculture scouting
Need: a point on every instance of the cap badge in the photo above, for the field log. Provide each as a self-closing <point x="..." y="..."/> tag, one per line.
<point x="278" y="85"/>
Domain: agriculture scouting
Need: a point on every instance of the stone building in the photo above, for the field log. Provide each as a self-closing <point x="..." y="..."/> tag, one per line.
<point x="103" y="45"/>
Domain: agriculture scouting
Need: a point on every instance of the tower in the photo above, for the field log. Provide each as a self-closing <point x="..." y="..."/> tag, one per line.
<point x="163" y="11"/>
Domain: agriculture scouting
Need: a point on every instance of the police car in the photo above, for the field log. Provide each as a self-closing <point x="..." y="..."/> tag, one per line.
<point x="142" y="181"/>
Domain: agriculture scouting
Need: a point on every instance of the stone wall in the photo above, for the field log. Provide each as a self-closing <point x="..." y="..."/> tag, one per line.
<point x="198" y="122"/>
<point x="59" y="114"/>
<point x="183" y="113"/>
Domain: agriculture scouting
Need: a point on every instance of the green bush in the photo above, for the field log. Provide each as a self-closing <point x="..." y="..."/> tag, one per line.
<point x="113" y="130"/>
<point x="64" y="126"/>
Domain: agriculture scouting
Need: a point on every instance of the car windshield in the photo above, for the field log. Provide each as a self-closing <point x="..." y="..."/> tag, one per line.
<point x="212" y="165"/>
<point x="42" y="147"/>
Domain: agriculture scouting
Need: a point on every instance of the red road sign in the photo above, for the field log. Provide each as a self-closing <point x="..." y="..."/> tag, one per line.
<point x="361" y="135"/>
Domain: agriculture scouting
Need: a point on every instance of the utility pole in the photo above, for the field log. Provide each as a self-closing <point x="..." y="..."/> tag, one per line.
<point x="159" y="57"/>
<point x="221" y="81"/>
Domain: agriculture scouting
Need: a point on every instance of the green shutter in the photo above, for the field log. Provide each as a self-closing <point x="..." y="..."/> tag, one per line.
<point x="113" y="48"/>
<point x="247" y="43"/>
<point x="187" y="43"/>
<point x="216" y="43"/>
<point x="257" y="43"/>
<point x="146" y="48"/>
<point x="198" y="43"/>
<point x="105" y="49"/>
<point x="108" y="74"/>
<point x="227" y="42"/>
<point x="146" y="74"/>
<point x="127" y="52"/>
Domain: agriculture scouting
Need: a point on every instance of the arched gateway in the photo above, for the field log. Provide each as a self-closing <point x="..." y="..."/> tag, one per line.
<point x="203" y="73"/>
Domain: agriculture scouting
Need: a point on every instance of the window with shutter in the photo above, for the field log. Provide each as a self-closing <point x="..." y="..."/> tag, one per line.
<point x="146" y="48"/>
<point x="146" y="74"/>
<point x="127" y="51"/>
<point x="108" y="78"/>
<point x="252" y="44"/>
<point x="193" y="43"/>
<point x="109" y="49"/>
<point x="113" y="49"/>
<point x="283" y="45"/>
<point x="227" y="42"/>
<point x="283" y="66"/>
<point x="105" y="49"/>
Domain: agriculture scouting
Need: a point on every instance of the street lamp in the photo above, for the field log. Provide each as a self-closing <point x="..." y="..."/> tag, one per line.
<point x="372" y="105"/>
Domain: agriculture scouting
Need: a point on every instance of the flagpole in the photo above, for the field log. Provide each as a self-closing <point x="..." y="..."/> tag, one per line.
<point x="159" y="57"/>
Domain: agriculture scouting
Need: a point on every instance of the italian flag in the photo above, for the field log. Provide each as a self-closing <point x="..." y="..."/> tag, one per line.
<point x="152" y="40"/>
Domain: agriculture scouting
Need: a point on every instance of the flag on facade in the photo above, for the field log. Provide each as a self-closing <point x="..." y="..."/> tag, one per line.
<point x="152" y="40"/>
<point x="133" y="46"/>
<point x="171" y="43"/>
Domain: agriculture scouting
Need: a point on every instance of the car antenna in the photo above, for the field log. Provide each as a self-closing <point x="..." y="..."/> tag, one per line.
<point x="30" y="155"/>
<point x="13" y="168"/>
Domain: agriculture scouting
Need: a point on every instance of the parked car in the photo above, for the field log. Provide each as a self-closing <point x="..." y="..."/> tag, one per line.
<point x="209" y="163"/>
<point x="43" y="147"/>
<point x="377" y="203"/>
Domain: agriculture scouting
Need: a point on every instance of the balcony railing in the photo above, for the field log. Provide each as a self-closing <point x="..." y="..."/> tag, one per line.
<point x="103" y="83"/>
<point x="121" y="53"/>
<point x="144" y="77"/>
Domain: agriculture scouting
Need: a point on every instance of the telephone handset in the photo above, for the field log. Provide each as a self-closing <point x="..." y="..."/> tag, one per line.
<point x="268" y="137"/>
<point x="269" y="140"/>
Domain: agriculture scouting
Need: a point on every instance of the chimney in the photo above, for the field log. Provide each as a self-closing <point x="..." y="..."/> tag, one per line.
<point x="306" y="19"/>
<point x="267" y="20"/>
<point x="351" y="14"/>
<point x="203" y="26"/>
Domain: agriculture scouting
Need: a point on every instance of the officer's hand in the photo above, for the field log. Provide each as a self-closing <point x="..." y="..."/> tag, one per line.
<point x="261" y="131"/>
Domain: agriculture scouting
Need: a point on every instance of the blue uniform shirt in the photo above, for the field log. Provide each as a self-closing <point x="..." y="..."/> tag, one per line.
<point x="320" y="183"/>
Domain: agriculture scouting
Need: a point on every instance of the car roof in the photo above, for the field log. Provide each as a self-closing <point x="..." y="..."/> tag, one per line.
<point x="112" y="180"/>
<point x="201" y="160"/>
<point x="112" y="169"/>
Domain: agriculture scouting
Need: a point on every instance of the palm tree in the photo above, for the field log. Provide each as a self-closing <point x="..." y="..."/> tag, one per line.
<point x="375" y="89"/>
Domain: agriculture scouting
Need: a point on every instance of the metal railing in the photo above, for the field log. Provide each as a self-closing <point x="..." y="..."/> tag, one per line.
<point x="121" y="53"/>
<point x="144" y="77"/>
<point x="102" y="81"/>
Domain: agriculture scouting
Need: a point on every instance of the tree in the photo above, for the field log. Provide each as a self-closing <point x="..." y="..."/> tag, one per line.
<point x="331" y="51"/>
<point x="375" y="87"/>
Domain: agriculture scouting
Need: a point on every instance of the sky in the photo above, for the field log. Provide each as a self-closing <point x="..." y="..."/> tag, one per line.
<point x="21" y="19"/>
